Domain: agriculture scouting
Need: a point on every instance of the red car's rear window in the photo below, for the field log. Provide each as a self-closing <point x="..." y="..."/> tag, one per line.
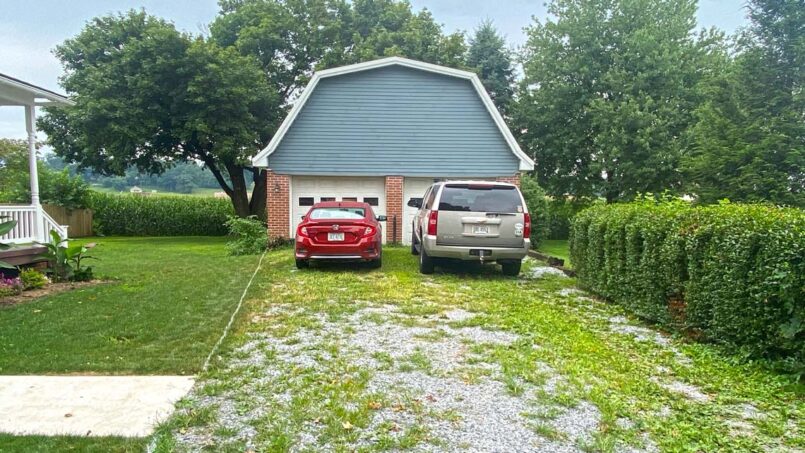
<point x="337" y="213"/>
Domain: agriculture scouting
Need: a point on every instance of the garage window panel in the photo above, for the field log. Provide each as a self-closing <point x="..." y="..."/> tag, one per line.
<point x="305" y="201"/>
<point x="372" y="201"/>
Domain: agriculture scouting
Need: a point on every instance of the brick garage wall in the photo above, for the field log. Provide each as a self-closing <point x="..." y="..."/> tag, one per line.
<point x="510" y="179"/>
<point x="277" y="204"/>
<point x="394" y="207"/>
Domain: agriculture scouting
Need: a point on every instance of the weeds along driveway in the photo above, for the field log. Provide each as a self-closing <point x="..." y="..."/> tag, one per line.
<point x="337" y="359"/>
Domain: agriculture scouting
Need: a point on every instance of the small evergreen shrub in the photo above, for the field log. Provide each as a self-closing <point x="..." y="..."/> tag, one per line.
<point x="249" y="236"/>
<point x="32" y="279"/>
<point x="729" y="273"/>
<point x="134" y="215"/>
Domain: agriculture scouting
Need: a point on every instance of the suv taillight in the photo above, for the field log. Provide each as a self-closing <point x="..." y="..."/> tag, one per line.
<point x="527" y="228"/>
<point x="433" y="221"/>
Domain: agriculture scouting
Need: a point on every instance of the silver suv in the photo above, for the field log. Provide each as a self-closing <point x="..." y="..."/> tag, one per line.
<point x="482" y="221"/>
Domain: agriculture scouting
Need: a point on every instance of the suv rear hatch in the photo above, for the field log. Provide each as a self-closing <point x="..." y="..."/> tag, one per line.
<point x="480" y="215"/>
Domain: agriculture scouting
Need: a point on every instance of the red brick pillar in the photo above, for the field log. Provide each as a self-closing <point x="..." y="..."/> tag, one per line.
<point x="394" y="208"/>
<point x="510" y="179"/>
<point x="277" y="205"/>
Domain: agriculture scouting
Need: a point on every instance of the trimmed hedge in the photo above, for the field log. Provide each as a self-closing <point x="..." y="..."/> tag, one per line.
<point x="729" y="273"/>
<point x="134" y="215"/>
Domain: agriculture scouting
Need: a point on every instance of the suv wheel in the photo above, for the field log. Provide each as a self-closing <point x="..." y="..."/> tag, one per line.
<point x="414" y="250"/>
<point x="512" y="268"/>
<point x="425" y="262"/>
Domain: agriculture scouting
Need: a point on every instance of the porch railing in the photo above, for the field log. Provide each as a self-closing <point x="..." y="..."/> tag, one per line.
<point x="28" y="229"/>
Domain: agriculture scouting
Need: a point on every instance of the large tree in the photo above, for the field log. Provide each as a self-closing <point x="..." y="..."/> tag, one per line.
<point x="749" y="143"/>
<point x="608" y="95"/>
<point x="489" y="56"/>
<point x="150" y="96"/>
<point x="292" y="38"/>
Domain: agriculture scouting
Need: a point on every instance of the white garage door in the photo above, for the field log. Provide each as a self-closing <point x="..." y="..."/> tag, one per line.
<point x="412" y="188"/>
<point x="306" y="190"/>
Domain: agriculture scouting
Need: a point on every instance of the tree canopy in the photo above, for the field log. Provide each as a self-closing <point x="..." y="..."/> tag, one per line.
<point x="490" y="57"/>
<point x="615" y="97"/>
<point x="150" y="96"/>
<point x="608" y="94"/>
<point x="749" y="141"/>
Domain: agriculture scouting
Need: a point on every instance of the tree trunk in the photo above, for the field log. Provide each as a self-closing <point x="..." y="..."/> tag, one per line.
<point x="240" y="195"/>
<point x="257" y="205"/>
<point x="238" y="191"/>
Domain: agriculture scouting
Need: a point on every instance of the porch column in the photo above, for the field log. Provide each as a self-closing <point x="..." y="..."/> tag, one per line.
<point x="30" y="126"/>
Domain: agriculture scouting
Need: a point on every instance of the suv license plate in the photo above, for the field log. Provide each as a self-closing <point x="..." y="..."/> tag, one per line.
<point x="477" y="229"/>
<point x="335" y="236"/>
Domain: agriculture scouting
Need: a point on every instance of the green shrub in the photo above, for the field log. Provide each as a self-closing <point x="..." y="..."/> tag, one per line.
<point x="135" y="215"/>
<point x="559" y="216"/>
<point x="249" y="236"/>
<point x="32" y="279"/>
<point x="729" y="273"/>
<point x="550" y="218"/>
<point x="537" y="203"/>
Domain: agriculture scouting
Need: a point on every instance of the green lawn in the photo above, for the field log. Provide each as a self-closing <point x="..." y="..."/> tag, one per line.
<point x="556" y="247"/>
<point x="165" y="306"/>
<point x="47" y="444"/>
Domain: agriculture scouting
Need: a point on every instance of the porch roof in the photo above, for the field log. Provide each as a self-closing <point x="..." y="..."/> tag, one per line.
<point x="14" y="91"/>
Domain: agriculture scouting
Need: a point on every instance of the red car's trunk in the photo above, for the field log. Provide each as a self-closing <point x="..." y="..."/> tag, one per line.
<point x="319" y="230"/>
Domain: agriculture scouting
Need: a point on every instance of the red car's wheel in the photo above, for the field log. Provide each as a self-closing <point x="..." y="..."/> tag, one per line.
<point x="302" y="264"/>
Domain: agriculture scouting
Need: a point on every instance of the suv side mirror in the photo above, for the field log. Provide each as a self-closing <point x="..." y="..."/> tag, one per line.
<point x="415" y="202"/>
<point x="381" y="218"/>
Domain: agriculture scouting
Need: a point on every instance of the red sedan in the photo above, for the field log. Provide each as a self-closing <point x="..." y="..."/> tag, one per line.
<point x="339" y="230"/>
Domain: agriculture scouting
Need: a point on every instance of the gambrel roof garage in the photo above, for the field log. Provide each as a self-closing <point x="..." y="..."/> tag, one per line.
<point x="382" y="132"/>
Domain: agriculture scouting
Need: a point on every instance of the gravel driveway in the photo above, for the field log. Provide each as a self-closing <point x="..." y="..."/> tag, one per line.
<point x="331" y="359"/>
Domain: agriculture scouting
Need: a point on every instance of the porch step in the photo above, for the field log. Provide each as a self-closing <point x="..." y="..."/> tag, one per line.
<point x="23" y="255"/>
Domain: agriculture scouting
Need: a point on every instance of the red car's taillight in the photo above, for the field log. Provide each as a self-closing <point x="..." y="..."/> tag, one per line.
<point x="433" y="222"/>
<point x="369" y="231"/>
<point x="301" y="231"/>
<point x="527" y="228"/>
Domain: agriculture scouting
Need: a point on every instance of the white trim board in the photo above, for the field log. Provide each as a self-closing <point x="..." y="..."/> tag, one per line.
<point x="261" y="159"/>
<point x="35" y="93"/>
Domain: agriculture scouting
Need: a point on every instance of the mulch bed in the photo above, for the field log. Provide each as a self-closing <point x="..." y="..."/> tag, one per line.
<point x="50" y="289"/>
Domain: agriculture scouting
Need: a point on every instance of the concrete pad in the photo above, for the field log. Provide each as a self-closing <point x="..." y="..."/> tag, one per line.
<point x="128" y="406"/>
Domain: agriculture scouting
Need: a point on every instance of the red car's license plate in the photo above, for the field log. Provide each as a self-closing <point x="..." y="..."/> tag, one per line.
<point x="335" y="236"/>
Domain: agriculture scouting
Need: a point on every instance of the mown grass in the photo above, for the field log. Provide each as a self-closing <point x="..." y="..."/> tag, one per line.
<point x="559" y="248"/>
<point x="622" y="376"/>
<point x="46" y="444"/>
<point x="163" y="308"/>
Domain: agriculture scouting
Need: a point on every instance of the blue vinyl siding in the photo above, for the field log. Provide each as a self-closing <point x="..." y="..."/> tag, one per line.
<point x="394" y="121"/>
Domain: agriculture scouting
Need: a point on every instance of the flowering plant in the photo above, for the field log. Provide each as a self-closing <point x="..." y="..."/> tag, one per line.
<point x="10" y="286"/>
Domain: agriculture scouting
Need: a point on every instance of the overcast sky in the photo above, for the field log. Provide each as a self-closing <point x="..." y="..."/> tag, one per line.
<point x="30" y="29"/>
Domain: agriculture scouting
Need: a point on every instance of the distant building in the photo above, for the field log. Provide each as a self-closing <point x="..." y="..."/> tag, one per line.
<point x="136" y="189"/>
